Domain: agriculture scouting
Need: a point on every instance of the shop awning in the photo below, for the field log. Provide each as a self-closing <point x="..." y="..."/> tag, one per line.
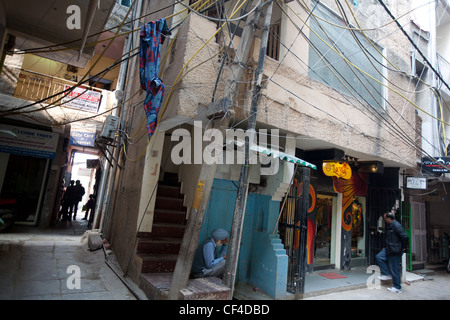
<point x="283" y="156"/>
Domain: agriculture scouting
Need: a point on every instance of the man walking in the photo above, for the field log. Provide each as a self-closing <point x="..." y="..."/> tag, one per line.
<point x="389" y="259"/>
<point x="79" y="193"/>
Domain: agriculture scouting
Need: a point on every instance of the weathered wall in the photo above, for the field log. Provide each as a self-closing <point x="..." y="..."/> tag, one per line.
<point x="316" y="110"/>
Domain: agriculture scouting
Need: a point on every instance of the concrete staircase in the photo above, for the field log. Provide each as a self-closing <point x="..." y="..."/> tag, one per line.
<point x="158" y="250"/>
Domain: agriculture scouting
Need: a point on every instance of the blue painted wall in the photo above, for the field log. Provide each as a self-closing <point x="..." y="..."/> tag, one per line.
<point x="262" y="261"/>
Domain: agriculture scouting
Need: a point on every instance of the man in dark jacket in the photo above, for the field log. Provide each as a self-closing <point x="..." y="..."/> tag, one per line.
<point x="389" y="259"/>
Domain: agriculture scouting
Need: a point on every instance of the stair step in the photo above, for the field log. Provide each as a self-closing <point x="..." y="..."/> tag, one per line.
<point x="164" y="230"/>
<point x="156" y="287"/>
<point x="158" y="263"/>
<point x="168" y="191"/>
<point x="416" y="265"/>
<point x="159" y="246"/>
<point x="171" y="179"/>
<point x="169" y="216"/>
<point x="424" y="272"/>
<point x="169" y="203"/>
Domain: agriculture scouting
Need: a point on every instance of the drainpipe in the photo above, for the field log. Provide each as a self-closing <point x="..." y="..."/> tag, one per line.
<point x="433" y="80"/>
<point x="129" y="87"/>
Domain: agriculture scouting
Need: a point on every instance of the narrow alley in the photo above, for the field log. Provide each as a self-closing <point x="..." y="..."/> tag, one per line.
<point x="42" y="264"/>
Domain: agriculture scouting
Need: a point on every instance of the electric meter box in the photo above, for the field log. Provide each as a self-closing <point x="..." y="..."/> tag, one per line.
<point x="110" y="127"/>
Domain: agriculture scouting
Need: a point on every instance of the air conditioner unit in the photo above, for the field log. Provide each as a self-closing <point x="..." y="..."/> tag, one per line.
<point x="110" y="127"/>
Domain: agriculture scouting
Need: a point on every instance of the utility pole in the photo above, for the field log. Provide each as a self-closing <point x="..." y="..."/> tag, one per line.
<point x="191" y="235"/>
<point x="241" y="200"/>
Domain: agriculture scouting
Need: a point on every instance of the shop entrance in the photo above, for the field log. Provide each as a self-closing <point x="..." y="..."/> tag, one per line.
<point x="324" y="244"/>
<point x="22" y="184"/>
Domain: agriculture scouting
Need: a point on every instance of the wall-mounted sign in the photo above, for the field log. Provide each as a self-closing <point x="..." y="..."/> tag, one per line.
<point x="82" y="99"/>
<point x="84" y="139"/>
<point x="438" y="166"/>
<point x="337" y="169"/>
<point x="416" y="183"/>
<point x="28" y="142"/>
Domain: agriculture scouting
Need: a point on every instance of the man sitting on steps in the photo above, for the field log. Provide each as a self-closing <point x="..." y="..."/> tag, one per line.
<point x="208" y="263"/>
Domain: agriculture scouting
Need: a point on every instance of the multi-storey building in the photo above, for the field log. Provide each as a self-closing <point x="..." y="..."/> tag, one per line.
<point x="337" y="90"/>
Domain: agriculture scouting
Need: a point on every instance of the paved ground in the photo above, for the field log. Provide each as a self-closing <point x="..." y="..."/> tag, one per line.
<point x="436" y="289"/>
<point x="35" y="264"/>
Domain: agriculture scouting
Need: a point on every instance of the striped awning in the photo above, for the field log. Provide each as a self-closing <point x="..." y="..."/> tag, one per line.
<point x="283" y="156"/>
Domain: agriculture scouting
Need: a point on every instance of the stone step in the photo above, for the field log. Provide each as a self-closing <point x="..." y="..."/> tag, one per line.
<point x="169" y="216"/>
<point x="158" y="263"/>
<point x="164" y="230"/>
<point x="168" y="191"/>
<point x="158" y="246"/>
<point x="416" y="265"/>
<point x="156" y="286"/>
<point x="169" y="203"/>
<point x="426" y="273"/>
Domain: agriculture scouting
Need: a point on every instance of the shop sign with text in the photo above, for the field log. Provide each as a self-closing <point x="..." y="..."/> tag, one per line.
<point x="337" y="169"/>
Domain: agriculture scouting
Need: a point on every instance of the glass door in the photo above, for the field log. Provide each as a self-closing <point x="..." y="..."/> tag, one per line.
<point x="324" y="230"/>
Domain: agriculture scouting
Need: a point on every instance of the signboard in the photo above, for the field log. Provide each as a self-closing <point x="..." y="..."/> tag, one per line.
<point x="81" y="99"/>
<point x="416" y="183"/>
<point x="337" y="169"/>
<point x="92" y="163"/>
<point x="430" y="166"/>
<point x="28" y="142"/>
<point x="79" y="138"/>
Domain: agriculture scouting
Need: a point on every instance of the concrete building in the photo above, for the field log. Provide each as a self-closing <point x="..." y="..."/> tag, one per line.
<point x="336" y="89"/>
<point x="342" y="91"/>
<point x="428" y="204"/>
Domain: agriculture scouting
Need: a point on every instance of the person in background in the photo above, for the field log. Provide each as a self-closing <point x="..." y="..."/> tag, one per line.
<point x="90" y="205"/>
<point x="69" y="199"/>
<point x="79" y="193"/>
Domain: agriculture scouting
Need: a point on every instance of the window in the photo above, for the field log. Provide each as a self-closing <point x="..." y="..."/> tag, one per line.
<point x="126" y="3"/>
<point x="348" y="47"/>
<point x="273" y="44"/>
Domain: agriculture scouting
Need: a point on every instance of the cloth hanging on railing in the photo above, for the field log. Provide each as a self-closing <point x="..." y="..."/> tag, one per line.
<point x="152" y="37"/>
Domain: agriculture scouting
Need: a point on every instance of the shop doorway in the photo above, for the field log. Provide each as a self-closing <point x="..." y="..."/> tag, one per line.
<point x="358" y="242"/>
<point x="324" y="244"/>
<point x="23" y="184"/>
<point x="83" y="170"/>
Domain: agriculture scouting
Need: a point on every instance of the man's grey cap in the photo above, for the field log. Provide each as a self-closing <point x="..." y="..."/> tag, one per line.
<point x="219" y="234"/>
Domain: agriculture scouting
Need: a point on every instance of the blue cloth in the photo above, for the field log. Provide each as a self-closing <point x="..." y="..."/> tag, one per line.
<point x="152" y="36"/>
<point x="390" y="265"/>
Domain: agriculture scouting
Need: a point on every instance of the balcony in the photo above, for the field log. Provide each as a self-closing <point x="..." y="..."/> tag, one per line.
<point x="32" y="86"/>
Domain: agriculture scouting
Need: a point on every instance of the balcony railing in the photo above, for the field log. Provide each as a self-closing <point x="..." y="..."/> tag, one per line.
<point x="33" y="86"/>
